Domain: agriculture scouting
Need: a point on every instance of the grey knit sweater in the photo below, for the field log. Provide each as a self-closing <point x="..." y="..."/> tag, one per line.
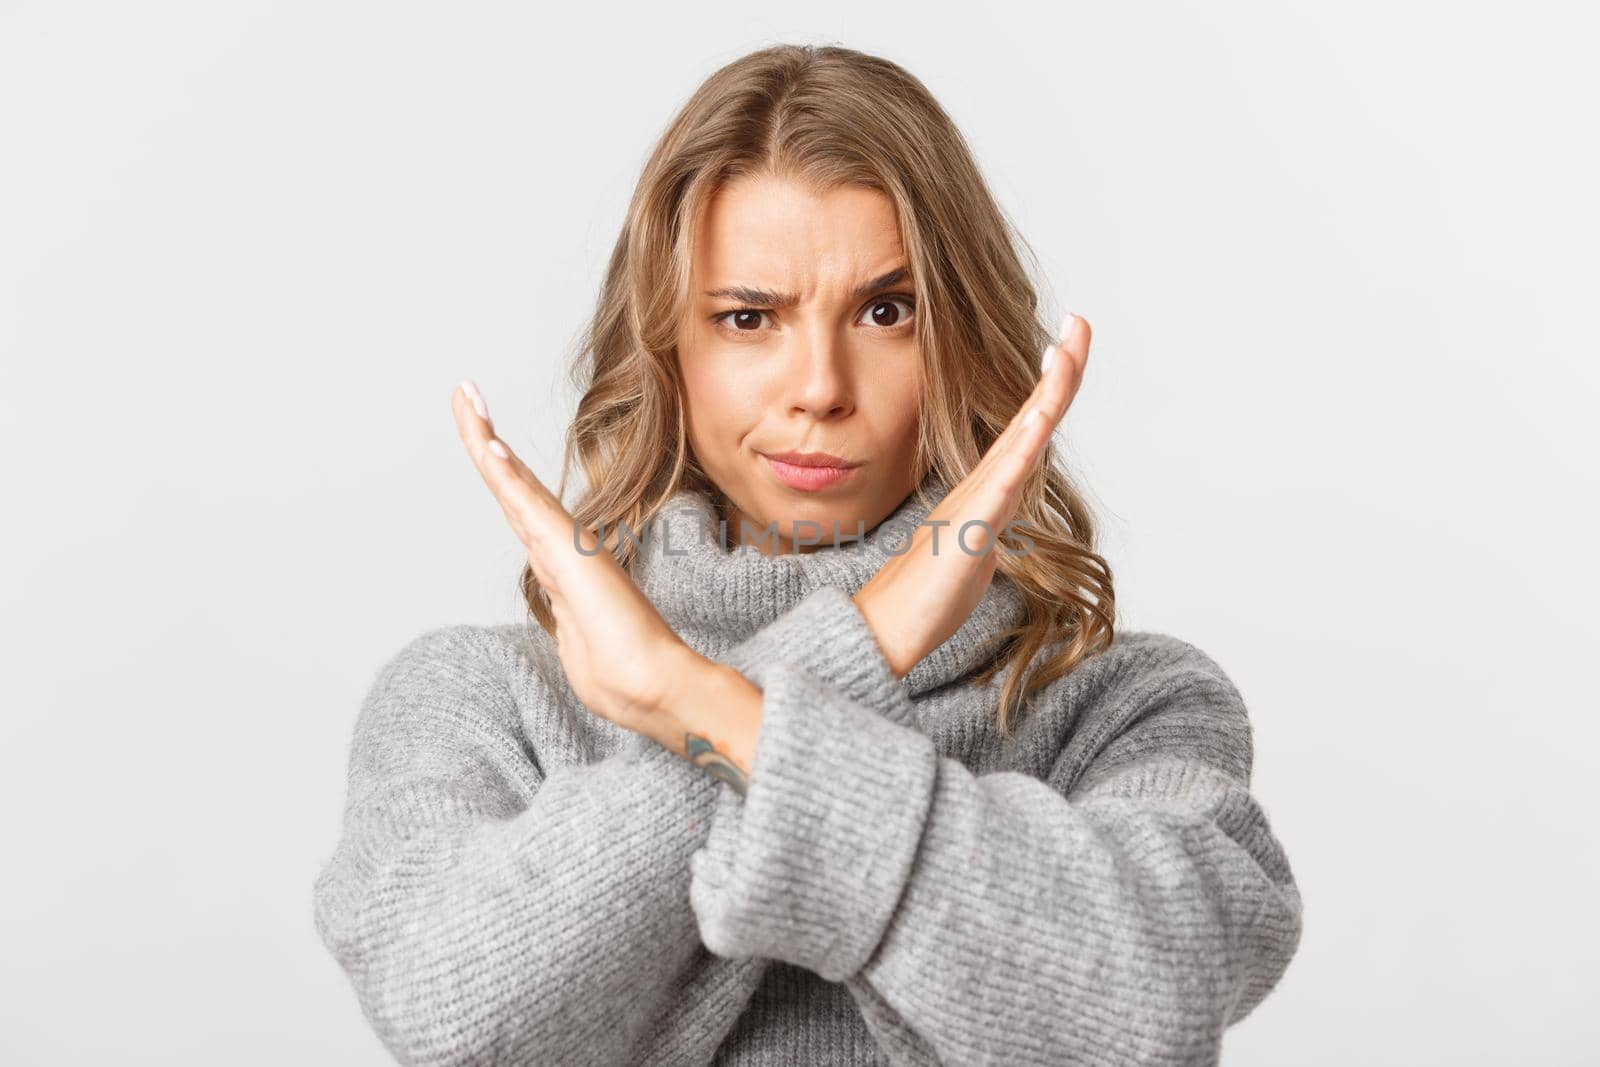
<point x="521" y="881"/>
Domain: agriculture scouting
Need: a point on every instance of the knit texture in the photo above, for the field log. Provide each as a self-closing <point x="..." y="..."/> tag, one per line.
<point x="521" y="881"/>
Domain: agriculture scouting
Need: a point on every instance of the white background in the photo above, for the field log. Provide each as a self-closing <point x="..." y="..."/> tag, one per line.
<point x="1338" y="424"/>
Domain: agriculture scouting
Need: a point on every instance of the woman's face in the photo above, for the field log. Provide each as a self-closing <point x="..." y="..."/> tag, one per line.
<point x="801" y="339"/>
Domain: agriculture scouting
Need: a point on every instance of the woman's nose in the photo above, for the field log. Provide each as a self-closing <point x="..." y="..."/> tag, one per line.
<point x="818" y="381"/>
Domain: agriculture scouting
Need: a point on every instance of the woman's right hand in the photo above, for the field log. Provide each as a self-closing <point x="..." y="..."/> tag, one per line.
<point x="620" y="656"/>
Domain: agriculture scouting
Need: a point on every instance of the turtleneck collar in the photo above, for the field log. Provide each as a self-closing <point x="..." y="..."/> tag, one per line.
<point x="714" y="596"/>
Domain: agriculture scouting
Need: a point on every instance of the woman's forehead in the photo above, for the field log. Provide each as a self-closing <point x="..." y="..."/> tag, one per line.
<point x="780" y="236"/>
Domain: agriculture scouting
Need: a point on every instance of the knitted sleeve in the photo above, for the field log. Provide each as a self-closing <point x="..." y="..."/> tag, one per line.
<point x="486" y="911"/>
<point x="1126" y="907"/>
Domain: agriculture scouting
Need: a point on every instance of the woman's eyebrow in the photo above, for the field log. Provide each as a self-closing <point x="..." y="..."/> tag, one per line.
<point x="769" y="299"/>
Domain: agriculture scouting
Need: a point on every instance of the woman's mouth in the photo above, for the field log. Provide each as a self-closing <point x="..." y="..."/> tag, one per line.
<point x="809" y="471"/>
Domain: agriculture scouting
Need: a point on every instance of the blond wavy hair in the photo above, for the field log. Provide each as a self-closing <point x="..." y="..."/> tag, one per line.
<point x="827" y="116"/>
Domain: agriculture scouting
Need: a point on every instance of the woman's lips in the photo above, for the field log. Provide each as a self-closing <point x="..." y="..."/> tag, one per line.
<point x="807" y="478"/>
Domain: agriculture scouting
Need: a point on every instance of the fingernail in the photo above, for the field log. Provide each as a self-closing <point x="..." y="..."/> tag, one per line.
<point x="1048" y="359"/>
<point x="476" y="397"/>
<point x="498" y="449"/>
<point x="1066" y="325"/>
<point x="1033" y="416"/>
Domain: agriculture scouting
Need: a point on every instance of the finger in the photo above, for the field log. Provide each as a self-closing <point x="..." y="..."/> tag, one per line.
<point x="1039" y="397"/>
<point x="533" y="510"/>
<point x="1013" y="466"/>
<point x="1076" y="336"/>
<point x="1014" y="455"/>
<point x="1064" y="370"/>
<point x="497" y="472"/>
<point x="1063" y="362"/>
<point x="477" y="433"/>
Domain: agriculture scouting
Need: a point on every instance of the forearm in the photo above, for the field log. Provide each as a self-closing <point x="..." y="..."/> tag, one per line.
<point x="1138" y="929"/>
<point x="1135" y="909"/>
<point x="899" y="652"/>
<point x="493" y="933"/>
<point x="467" y="900"/>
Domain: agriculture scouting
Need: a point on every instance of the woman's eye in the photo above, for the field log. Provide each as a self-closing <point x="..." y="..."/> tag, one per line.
<point x="883" y="312"/>
<point x="745" y="320"/>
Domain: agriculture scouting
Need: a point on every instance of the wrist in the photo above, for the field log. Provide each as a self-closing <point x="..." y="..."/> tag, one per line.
<point x="683" y="673"/>
<point x="871" y="613"/>
<point x="715" y="709"/>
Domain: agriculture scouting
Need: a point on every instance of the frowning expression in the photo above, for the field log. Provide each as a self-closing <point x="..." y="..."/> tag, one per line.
<point x="800" y="358"/>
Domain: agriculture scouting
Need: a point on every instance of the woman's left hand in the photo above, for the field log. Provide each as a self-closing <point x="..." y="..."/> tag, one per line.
<point x="918" y="599"/>
<point x="620" y="656"/>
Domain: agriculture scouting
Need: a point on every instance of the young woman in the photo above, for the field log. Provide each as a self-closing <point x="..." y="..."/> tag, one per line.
<point x="825" y="748"/>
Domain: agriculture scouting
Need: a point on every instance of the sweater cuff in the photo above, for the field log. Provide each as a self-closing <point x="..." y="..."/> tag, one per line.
<point x="809" y="865"/>
<point x="826" y="635"/>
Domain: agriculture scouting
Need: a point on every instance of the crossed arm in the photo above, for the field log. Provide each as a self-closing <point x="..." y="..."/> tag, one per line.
<point x="1126" y="908"/>
<point x="488" y="906"/>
